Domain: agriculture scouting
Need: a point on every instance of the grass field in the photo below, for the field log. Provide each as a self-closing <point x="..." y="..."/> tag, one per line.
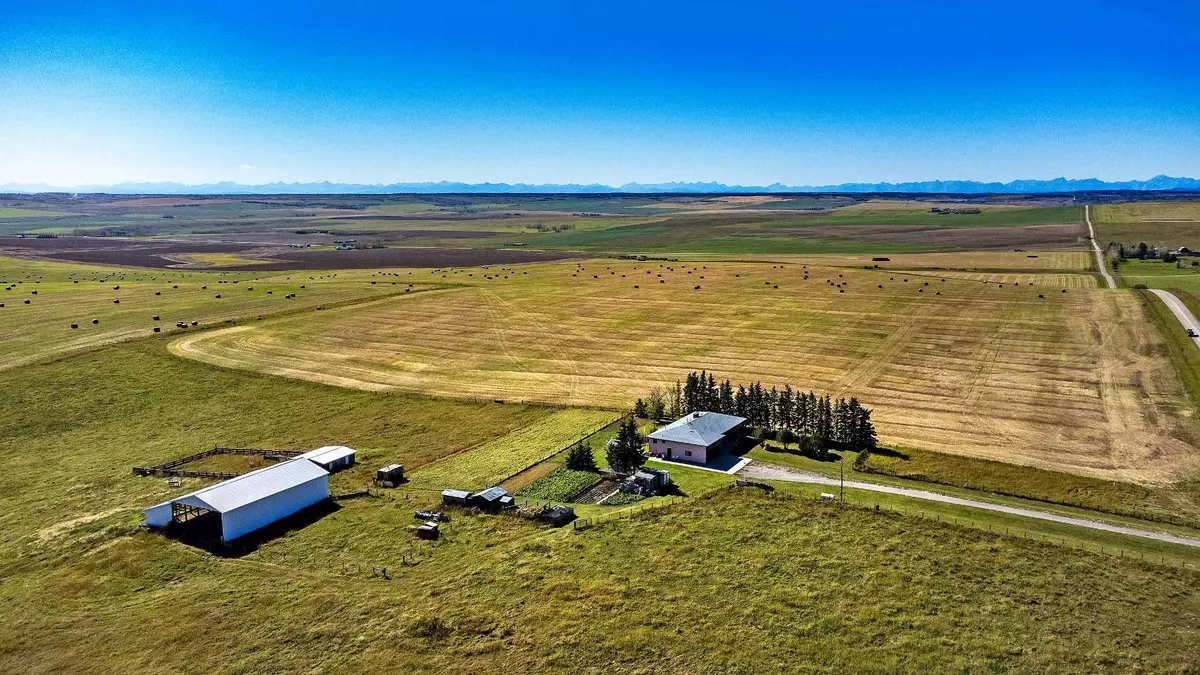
<point x="1158" y="274"/>
<point x="1169" y="224"/>
<point x="491" y="463"/>
<point x="78" y="294"/>
<point x="1060" y="382"/>
<point x="1179" y="505"/>
<point x="741" y="582"/>
<point x="71" y="429"/>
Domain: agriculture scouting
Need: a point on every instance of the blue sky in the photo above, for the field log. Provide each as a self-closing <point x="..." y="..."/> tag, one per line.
<point x="743" y="93"/>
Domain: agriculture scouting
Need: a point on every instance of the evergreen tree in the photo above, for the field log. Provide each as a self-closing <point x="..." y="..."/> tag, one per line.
<point x="690" y="397"/>
<point x="725" y="404"/>
<point x="712" y="395"/>
<point x="639" y="409"/>
<point x="624" y="452"/>
<point x="741" y="402"/>
<point x="783" y="409"/>
<point x="580" y="458"/>
<point x="825" y="421"/>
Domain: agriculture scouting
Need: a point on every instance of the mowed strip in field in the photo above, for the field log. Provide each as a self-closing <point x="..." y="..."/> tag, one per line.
<point x="1070" y="381"/>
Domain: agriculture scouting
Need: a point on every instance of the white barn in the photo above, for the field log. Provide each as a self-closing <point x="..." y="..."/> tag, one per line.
<point x="332" y="458"/>
<point x="249" y="502"/>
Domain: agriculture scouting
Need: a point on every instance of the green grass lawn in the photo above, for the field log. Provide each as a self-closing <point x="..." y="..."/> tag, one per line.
<point x="1158" y="274"/>
<point x="1180" y="348"/>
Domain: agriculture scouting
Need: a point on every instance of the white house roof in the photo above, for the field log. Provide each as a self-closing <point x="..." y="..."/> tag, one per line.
<point x="698" y="428"/>
<point x="328" y="454"/>
<point x="251" y="487"/>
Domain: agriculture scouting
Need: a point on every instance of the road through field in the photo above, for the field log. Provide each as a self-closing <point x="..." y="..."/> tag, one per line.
<point x="1087" y="216"/>
<point x="1180" y="311"/>
<point x="763" y="471"/>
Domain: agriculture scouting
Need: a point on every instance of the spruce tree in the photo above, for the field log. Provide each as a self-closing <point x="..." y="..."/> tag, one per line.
<point x="726" y="404"/>
<point x="580" y="458"/>
<point x="624" y="452"/>
<point x="639" y="409"/>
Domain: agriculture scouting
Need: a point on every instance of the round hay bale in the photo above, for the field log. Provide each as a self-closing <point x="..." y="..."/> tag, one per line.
<point x="635" y="285"/>
<point x="218" y="296"/>
<point x="157" y="329"/>
<point x="155" y="317"/>
<point x="74" y="325"/>
<point x="116" y="301"/>
<point x="158" y="292"/>
<point x="697" y="288"/>
<point x="95" y="322"/>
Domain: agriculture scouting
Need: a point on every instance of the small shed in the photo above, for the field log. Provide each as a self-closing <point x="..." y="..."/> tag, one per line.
<point x="493" y="499"/>
<point x="557" y="516"/>
<point x="332" y="458"/>
<point x="390" y="475"/>
<point x="429" y="530"/>
<point x="456" y="498"/>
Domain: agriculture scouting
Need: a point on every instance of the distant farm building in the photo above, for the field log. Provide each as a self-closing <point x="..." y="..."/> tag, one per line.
<point x="697" y="437"/>
<point x="238" y="506"/>
<point x="492" y="500"/>
<point x="332" y="458"/>
<point x="390" y="475"/>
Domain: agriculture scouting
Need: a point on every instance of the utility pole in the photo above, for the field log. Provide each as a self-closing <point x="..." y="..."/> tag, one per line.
<point x="842" y="479"/>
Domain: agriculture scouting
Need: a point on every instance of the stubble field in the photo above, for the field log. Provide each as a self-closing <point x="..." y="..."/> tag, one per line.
<point x="1072" y="381"/>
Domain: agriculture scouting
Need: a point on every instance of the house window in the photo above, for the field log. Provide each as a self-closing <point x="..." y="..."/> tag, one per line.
<point x="688" y="453"/>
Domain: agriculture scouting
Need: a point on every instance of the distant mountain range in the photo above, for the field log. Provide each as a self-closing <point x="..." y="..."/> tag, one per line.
<point x="445" y="187"/>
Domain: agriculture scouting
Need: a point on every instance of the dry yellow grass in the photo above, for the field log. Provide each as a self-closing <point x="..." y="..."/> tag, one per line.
<point x="1072" y="381"/>
<point x="964" y="261"/>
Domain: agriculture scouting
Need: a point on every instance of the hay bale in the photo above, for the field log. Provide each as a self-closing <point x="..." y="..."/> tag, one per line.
<point x="157" y="329"/>
<point x="95" y="322"/>
<point x="74" y="325"/>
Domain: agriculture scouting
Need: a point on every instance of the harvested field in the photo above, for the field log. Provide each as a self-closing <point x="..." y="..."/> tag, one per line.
<point x="967" y="261"/>
<point x="80" y="295"/>
<point x="149" y="253"/>
<point x="1055" y="281"/>
<point x="1073" y="381"/>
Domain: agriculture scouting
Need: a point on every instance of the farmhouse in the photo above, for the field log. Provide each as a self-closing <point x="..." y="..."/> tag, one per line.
<point x="241" y="505"/>
<point x="332" y="458"/>
<point x="696" y="437"/>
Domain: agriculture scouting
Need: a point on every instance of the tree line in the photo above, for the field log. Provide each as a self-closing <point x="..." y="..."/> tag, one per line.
<point x="789" y="415"/>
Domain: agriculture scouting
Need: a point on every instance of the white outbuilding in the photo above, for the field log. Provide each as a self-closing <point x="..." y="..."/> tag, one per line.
<point x="332" y="458"/>
<point x="239" y="506"/>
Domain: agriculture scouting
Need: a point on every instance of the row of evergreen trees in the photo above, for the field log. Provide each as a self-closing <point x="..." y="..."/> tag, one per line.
<point x="841" y="422"/>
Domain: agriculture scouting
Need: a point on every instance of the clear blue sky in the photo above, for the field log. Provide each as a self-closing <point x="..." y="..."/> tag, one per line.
<point x="743" y="93"/>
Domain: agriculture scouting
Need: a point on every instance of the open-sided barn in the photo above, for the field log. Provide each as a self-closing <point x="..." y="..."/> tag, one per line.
<point x="241" y="505"/>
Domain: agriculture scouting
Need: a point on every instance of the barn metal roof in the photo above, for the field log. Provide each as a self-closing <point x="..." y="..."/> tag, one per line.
<point x="251" y="487"/>
<point x="492" y="494"/>
<point x="328" y="453"/>
<point x="698" y="428"/>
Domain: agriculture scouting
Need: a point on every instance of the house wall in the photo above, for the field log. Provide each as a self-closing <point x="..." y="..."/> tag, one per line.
<point x="678" y="451"/>
<point x="259" y="514"/>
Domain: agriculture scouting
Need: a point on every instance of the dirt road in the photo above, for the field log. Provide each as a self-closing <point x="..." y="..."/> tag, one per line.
<point x="763" y="471"/>
<point x="1087" y="216"/>
<point x="1180" y="311"/>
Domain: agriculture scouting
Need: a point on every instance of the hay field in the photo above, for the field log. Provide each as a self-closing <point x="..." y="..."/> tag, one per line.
<point x="1073" y="381"/>
<point x="79" y="294"/>
<point x="1168" y="224"/>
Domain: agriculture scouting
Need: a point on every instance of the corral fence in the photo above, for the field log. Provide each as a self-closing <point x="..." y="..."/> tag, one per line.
<point x="171" y="468"/>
